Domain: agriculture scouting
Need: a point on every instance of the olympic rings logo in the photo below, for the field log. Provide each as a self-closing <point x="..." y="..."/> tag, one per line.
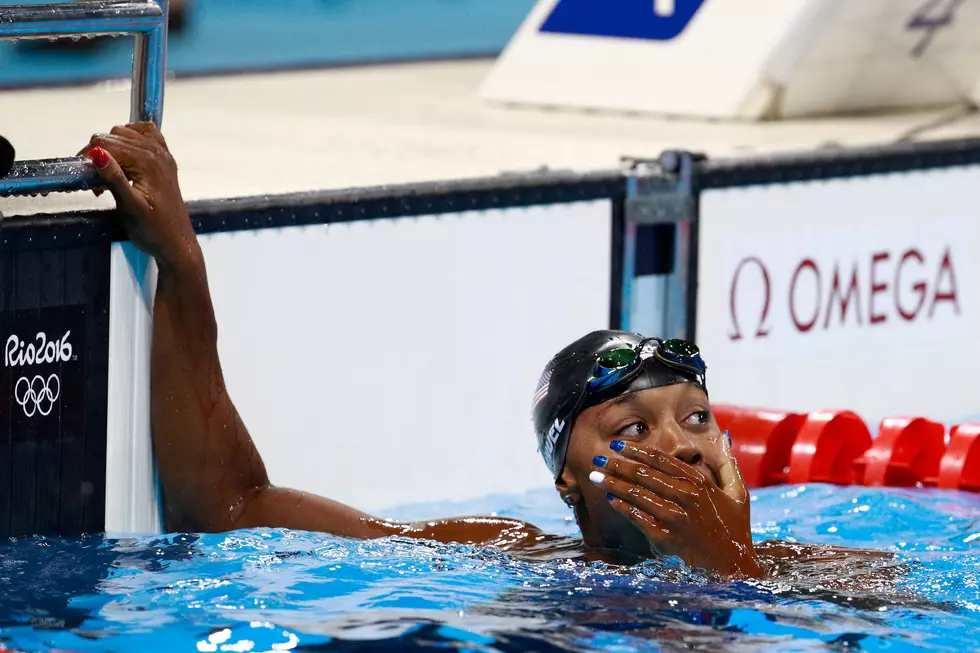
<point x="38" y="395"/>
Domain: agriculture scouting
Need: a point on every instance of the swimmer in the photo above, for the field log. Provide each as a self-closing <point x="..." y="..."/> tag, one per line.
<point x="623" y="422"/>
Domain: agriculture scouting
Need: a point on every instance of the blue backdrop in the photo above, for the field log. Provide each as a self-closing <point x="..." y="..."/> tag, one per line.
<point x="231" y="35"/>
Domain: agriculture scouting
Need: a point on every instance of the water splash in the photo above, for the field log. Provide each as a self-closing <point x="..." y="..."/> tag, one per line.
<point x="272" y="590"/>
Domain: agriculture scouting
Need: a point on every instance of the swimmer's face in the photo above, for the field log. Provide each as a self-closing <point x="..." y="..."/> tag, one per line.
<point x="675" y="420"/>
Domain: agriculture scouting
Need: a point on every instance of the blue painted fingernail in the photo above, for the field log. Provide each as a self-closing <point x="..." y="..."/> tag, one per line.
<point x="600" y="461"/>
<point x="729" y="436"/>
<point x="610" y="496"/>
<point x="617" y="445"/>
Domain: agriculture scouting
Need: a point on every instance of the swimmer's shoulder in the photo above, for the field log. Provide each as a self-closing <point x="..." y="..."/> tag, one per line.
<point x="781" y="558"/>
<point x="781" y="550"/>
<point x="524" y="540"/>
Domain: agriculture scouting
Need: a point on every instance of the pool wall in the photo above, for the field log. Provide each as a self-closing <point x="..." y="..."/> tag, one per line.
<point x="330" y="304"/>
<point x="381" y="342"/>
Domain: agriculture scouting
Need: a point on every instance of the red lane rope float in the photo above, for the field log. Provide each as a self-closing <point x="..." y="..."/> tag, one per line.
<point x="761" y="440"/>
<point x="776" y="447"/>
<point x="959" y="468"/>
<point x="826" y="447"/>
<point x="905" y="453"/>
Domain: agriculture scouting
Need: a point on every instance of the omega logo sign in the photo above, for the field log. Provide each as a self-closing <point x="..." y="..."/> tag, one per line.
<point x="888" y="286"/>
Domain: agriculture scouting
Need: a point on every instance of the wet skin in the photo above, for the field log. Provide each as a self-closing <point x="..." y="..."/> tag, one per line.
<point x="650" y="472"/>
<point x="676" y="484"/>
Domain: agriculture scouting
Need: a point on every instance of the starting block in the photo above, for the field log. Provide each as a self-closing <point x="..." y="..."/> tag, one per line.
<point x="742" y="59"/>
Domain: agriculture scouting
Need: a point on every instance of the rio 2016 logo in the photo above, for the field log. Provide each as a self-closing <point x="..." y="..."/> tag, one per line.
<point x="42" y="350"/>
<point x="39" y="394"/>
<point x="654" y="20"/>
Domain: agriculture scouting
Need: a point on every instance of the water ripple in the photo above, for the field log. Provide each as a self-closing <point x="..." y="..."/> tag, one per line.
<point x="277" y="590"/>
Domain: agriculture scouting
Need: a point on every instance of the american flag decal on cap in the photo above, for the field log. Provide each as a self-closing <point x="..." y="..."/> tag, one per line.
<point x="542" y="391"/>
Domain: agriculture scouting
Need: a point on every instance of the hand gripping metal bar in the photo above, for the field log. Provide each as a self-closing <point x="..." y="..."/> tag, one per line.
<point x="146" y="20"/>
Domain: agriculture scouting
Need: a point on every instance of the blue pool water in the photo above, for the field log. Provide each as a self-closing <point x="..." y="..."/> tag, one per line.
<point x="233" y="35"/>
<point x="267" y="590"/>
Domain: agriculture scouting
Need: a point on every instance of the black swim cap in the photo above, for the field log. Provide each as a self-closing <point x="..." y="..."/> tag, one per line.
<point x="6" y="156"/>
<point x="560" y="395"/>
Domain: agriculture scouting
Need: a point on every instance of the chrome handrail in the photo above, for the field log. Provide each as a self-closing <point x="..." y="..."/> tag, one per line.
<point x="144" y="19"/>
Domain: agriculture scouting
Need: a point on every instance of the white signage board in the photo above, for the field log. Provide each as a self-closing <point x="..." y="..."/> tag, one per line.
<point x="859" y="293"/>
<point x="392" y="361"/>
<point x="741" y="58"/>
<point x="376" y="363"/>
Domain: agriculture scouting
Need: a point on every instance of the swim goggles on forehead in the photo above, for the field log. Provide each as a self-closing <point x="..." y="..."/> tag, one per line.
<point x="615" y="365"/>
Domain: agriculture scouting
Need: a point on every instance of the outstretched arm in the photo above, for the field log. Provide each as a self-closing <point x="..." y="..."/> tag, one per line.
<point x="212" y="475"/>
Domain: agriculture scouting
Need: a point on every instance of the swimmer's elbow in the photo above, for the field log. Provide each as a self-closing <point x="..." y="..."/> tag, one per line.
<point x="268" y="506"/>
<point x="211" y="512"/>
<point x="254" y="508"/>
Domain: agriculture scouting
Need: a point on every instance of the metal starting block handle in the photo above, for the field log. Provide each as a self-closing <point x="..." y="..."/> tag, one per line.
<point x="146" y="20"/>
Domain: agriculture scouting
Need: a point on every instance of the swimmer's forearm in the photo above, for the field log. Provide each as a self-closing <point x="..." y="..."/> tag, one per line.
<point x="183" y="285"/>
<point x="285" y="508"/>
<point x="213" y="477"/>
<point x="208" y="465"/>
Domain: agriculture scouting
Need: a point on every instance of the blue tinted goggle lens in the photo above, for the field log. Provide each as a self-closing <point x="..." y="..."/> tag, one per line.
<point x="681" y="354"/>
<point x="611" y="366"/>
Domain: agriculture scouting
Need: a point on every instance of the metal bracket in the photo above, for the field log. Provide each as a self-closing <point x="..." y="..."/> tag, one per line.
<point x="145" y="19"/>
<point x="659" y="190"/>
<point x="660" y="208"/>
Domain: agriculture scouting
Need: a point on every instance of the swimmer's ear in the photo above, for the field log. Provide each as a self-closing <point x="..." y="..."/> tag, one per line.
<point x="568" y="488"/>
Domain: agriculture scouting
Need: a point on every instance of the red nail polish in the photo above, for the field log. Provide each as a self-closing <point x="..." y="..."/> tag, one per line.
<point x="99" y="157"/>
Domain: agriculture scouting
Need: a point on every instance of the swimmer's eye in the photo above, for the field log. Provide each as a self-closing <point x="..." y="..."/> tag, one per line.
<point x="634" y="430"/>
<point x="698" y="418"/>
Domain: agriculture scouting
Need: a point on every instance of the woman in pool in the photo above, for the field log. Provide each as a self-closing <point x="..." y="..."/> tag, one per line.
<point x="623" y="423"/>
